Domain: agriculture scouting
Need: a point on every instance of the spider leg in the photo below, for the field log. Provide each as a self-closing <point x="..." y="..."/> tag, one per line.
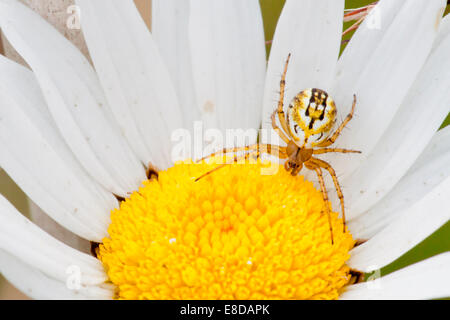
<point x="336" y="134"/>
<point x="271" y="149"/>
<point x="274" y="150"/>
<point x="338" y="150"/>
<point x="277" y="129"/>
<point x="230" y="150"/>
<point x="279" y="110"/>
<point x="329" y="168"/>
<point x="289" y="131"/>
<point x="235" y="159"/>
<point x="313" y="166"/>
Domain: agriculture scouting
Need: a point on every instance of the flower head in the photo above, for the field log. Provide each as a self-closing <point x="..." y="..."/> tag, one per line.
<point x="234" y="234"/>
<point x="78" y="140"/>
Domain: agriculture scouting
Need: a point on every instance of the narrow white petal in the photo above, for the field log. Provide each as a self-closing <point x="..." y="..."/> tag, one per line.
<point x="426" y="173"/>
<point x="36" y="157"/>
<point x="133" y="75"/>
<point x="360" y="50"/>
<point x="428" y="279"/>
<point x="252" y="65"/>
<point x="444" y="31"/>
<point x="170" y="29"/>
<point x="409" y="228"/>
<point x="439" y="145"/>
<point x="382" y="74"/>
<point x="228" y="61"/>
<point x="418" y="118"/>
<point x="24" y="240"/>
<point x="74" y="97"/>
<point x="38" y="285"/>
<point x="311" y="31"/>
<point x="56" y="230"/>
<point x="32" y="282"/>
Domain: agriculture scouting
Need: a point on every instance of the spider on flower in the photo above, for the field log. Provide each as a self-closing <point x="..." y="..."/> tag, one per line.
<point x="307" y="130"/>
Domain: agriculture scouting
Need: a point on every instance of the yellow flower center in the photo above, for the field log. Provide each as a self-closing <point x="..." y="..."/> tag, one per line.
<point x="234" y="234"/>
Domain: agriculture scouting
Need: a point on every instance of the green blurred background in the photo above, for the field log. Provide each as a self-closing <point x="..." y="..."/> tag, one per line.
<point x="437" y="243"/>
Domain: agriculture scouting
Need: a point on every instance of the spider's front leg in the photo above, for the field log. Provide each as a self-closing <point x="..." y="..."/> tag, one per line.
<point x="256" y="151"/>
<point x="235" y="159"/>
<point x="336" y="134"/>
<point x="277" y="129"/>
<point x="279" y="111"/>
<point x="258" y="147"/>
<point x="225" y="151"/>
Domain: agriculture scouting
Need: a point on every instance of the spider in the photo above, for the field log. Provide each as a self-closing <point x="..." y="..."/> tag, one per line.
<point x="307" y="130"/>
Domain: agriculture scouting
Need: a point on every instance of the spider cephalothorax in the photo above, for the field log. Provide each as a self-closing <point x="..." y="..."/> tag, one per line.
<point x="307" y="131"/>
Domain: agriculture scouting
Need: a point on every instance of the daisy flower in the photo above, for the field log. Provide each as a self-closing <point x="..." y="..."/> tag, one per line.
<point x="78" y="141"/>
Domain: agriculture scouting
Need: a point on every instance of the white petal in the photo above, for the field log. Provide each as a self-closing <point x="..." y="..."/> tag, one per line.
<point x="38" y="285"/>
<point x="438" y="146"/>
<point x="228" y="61"/>
<point x="35" y="156"/>
<point x="311" y="31"/>
<point x="170" y="30"/>
<point x="444" y="31"/>
<point x="53" y="228"/>
<point x="74" y="97"/>
<point x="412" y="226"/>
<point x="360" y="50"/>
<point x="428" y="279"/>
<point x="418" y="118"/>
<point x="134" y="77"/>
<point x="382" y="74"/>
<point x="426" y="173"/>
<point x="24" y="240"/>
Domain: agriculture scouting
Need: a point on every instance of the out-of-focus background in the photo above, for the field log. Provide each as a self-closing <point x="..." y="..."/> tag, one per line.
<point x="55" y="11"/>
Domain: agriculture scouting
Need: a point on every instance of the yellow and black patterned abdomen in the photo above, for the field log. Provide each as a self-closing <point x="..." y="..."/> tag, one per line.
<point x="311" y="116"/>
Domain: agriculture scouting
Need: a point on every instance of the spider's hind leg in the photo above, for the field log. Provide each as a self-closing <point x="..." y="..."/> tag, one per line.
<point x="313" y="166"/>
<point x="329" y="168"/>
